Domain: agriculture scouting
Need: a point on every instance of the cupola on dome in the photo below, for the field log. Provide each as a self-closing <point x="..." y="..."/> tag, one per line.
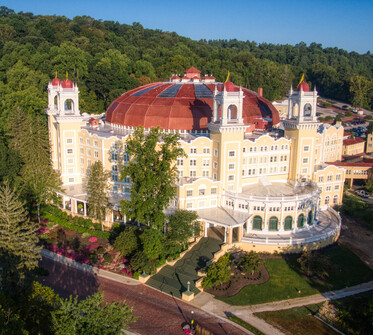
<point x="56" y="82"/>
<point x="67" y="83"/>
<point x="303" y="86"/>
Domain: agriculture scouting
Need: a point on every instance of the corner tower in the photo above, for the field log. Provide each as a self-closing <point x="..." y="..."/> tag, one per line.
<point x="301" y="126"/>
<point x="64" y="123"/>
<point x="227" y="131"/>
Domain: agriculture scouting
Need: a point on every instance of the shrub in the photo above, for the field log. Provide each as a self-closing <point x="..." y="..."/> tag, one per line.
<point x="140" y="262"/>
<point x="314" y="263"/>
<point x="100" y="250"/>
<point x="108" y="257"/>
<point x="250" y="262"/>
<point x="127" y="242"/>
<point x="93" y="258"/>
<point x="217" y="273"/>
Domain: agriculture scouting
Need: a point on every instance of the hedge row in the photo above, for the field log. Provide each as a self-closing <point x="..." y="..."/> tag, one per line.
<point x="65" y="223"/>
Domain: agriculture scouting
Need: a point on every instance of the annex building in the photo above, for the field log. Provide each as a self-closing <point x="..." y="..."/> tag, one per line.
<point x="253" y="180"/>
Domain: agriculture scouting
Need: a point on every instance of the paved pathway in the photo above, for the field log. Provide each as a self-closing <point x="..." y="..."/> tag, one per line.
<point x="207" y="302"/>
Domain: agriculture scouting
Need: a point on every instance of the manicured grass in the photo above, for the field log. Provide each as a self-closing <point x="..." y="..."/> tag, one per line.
<point x="286" y="280"/>
<point x="355" y="311"/>
<point x="297" y="321"/>
<point x="284" y="283"/>
<point x="245" y="324"/>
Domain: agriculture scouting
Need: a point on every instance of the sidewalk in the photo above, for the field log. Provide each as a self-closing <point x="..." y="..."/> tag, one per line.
<point x="88" y="268"/>
<point x="206" y="302"/>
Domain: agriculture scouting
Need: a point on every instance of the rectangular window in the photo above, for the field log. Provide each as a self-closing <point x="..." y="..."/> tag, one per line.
<point x="96" y="154"/>
<point x="69" y="151"/>
<point x="338" y="177"/>
<point x="126" y="158"/>
<point x="213" y="190"/>
<point x="81" y="151"/>
<point x="189" y="205"/>
<point x="96" y="144"/>
<point x="181" y="173"/>
<point x="305" y="160"/>
<point x="231" y="177"/>
<point x="202" y="192"/>
<point x="330" y="178"/>
<point x="216" y="152"/>
<point x="189" y="193"/>
<point x="88" y="141"/>
<point x="180" y="162"/>
<point x="205" y="173"/>
<point x="201" y="204"/>
<point x="321" y="179"/>
<point x="114" y="156"/>
<point x="69" y="140"/>
<point x="70" y="170"/>
<point x="304" y="170"/>
<point x="206" y="162"/>
<point x="192" y="173"/>
<point x="114" y="168"/>
<point x="215" y="165"/>
<point x="71" y="180"/>
<point x="206" y="150"/>
<point x="231" y="153"/>
<point x="88" y="162"/>
<point x="80" y="139"/>
<point x="192" y="162"/>
<point x="306" y="148"/>
<point x="114" y="177"/>
<point x="328" y="188"/>
<point x="336" y="187"/>
<point x="193" y="150"/>
<point x="231" y="166"/>
<point x="70" y="161"/>
<point x="126" y="180"/>
<point x="82" y="161"/>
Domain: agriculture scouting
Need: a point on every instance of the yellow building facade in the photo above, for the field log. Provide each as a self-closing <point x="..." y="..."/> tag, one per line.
<point x="265" y="188"/>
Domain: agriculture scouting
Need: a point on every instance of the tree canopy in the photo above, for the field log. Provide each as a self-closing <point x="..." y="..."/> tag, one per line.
<point x="152" y="173"/>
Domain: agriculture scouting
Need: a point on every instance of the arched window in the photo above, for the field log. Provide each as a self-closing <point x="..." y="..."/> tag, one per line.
<point x="327" y="200"/>
<point x="335" y="199"/>
<point x="232" y="112"/>
<point x="301" y="221"/>
<point x="310" y="217"/>
<point x="273" y="223"/>
<point x="288" y="223"/>
<point x="69" y="105"/>
<point x="55" y="100"/>
<point x="257" y="223"/>
<point x="307" y="111"/>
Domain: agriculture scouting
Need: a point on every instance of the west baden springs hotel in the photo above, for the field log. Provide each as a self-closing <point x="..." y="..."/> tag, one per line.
<point x="255" y="181"/>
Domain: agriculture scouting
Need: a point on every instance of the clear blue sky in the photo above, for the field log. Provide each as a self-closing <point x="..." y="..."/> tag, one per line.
<point x="346" y="24"/>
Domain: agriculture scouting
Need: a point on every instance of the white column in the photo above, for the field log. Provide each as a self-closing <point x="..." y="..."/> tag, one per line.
<point x="63" y="202"/>
<point x="265" y="226"/>
<point x="85" y="208"/>
<point x="282" y="223"/>
<point x="206" y="227"/>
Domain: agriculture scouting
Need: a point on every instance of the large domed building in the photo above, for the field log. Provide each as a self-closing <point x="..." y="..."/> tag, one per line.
<point x="184" y="104"/>
<point x="251" y="184"/>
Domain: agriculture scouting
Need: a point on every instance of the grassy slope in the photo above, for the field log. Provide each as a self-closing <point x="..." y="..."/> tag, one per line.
<point x="286" y="281"/>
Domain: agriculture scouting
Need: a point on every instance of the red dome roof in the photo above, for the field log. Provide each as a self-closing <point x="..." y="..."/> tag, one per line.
<point x="303" y="86"/>
<point x="229" y="86"/>
<point x="67" y="83"/>
<point x="180" y="106"/>
<point x="56" y="82"/>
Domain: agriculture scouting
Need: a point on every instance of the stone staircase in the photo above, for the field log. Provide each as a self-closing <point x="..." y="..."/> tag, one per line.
<point x="173" y="279"/>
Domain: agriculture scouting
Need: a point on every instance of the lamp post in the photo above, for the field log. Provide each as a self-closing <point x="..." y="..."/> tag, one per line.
<point x="192" y="321"/>
<point x="188" y="286"/>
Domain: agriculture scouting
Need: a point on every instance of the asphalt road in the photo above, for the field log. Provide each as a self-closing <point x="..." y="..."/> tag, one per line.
<point x="158" y="313"/>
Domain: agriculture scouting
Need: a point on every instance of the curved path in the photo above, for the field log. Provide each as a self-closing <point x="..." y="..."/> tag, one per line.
<point x="207" y="302"/>
<point x="158" y="313"/>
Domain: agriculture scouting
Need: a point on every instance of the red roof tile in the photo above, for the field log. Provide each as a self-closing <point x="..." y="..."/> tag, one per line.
<point x="352" y="141"/>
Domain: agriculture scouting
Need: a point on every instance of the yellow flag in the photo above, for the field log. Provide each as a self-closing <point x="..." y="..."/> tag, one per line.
<point x="227" y="77"/>
<point x="56" y="74"/>
<point x="301" y="79"/>
<point x="67" y="74"/>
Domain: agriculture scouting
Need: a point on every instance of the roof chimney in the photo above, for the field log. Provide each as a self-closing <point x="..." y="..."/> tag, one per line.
<point x="260" y="91"/>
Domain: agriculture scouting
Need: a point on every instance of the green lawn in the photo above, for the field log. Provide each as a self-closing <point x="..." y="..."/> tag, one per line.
<point x="356" y="311"/>
<point x="286" y="280"/>
<point x="297" y="321"/>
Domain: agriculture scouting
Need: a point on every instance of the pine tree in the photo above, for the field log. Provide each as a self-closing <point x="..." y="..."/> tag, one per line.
<point x="29" y="137"/>
<point x="19" y="250"/>
<point x="97" y="188"/>
<point x="153" y="175"/>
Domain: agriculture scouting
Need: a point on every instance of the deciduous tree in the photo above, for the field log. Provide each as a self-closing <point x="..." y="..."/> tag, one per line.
<point x="152" y="173"/>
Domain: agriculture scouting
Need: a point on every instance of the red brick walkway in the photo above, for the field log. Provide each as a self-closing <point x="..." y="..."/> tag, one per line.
<point x="158" y="313"/>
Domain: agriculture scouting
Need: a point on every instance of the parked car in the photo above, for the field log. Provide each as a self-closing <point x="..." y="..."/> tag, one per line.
<point x="362" y="193"/>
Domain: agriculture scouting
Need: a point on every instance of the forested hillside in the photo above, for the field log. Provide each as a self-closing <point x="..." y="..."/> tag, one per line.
<point x="107" y="58"/>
